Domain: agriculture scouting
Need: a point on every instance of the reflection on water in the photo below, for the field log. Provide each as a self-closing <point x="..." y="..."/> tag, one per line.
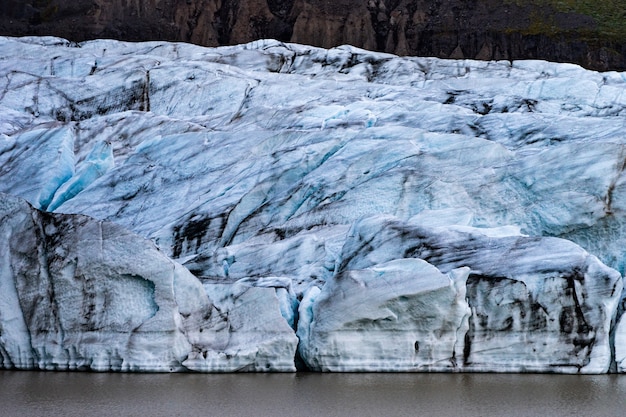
<point x="54" y="394"/>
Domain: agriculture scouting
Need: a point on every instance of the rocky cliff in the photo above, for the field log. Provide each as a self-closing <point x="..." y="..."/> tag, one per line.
<point x="567" y="31"/>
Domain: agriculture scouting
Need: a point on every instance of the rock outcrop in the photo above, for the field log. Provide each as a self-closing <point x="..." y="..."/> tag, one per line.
<point x="487" y="29"/>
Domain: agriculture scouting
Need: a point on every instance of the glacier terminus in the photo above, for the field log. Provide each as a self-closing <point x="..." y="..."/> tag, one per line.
<point x="166" y="207"/>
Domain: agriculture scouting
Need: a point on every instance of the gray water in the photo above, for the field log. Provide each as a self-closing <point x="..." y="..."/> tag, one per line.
<point x="53" y="394"/>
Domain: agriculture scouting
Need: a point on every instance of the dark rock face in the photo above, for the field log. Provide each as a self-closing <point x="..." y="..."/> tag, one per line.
<point x="486" y="29"/>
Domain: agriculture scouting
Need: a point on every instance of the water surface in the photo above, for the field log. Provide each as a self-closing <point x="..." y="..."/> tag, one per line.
<point x="53" y="394"/>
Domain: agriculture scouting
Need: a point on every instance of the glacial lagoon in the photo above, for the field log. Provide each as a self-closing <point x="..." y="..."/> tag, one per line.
<point x="67" y="394"/>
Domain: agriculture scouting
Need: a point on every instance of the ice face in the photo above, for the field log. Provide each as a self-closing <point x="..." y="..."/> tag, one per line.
<point x="37" y="162"/>
<point x="620" y="345"/>
<point x="403" y="315"/>
<point x="85" y="294"/>
<point x="254" y="336"/>
<point x="536" y="303"/>
<point x="255" y="166"/>
<point x="82" y="294"/>
<point x="93" y="167"/>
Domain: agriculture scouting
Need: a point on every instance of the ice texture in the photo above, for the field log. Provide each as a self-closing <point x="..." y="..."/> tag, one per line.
<point x="470" y="215"/>
<point x="620" y="345"/>
<point x="536" y="303"/>
<point x="405" y="311"/>
<point x="83" y="294"/>
<point x="37" y="162"/>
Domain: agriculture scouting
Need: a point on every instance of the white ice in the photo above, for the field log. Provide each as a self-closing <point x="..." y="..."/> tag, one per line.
<point x="250" y="164"/>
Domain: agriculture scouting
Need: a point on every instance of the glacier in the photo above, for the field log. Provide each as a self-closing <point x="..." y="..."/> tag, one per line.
<point x="274" y="206"/>
<point x="86" y="294"/>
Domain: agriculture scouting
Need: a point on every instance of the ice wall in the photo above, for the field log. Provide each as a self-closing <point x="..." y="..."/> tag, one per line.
<point x="494" y="188"/>
<point x="537" y="304"/>
<point x="83" y="294"/>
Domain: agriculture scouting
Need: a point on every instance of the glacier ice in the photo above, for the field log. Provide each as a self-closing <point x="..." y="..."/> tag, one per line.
<point x="255" y="336"/>
<point x="256" y="167"/>
<point x="85" y="294"/>
<point x="546" y="299"/>
<point x="405" y="311"/>
<point x="620" y="345"/>
<point x="79" y="293"/>
<point x="37" y="162"/>
<point x="97" y="163"/>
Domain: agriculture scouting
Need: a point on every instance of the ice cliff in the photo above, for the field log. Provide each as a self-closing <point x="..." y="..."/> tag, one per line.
<point x="271" y="206"/>
<point x="79" y="293"/>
